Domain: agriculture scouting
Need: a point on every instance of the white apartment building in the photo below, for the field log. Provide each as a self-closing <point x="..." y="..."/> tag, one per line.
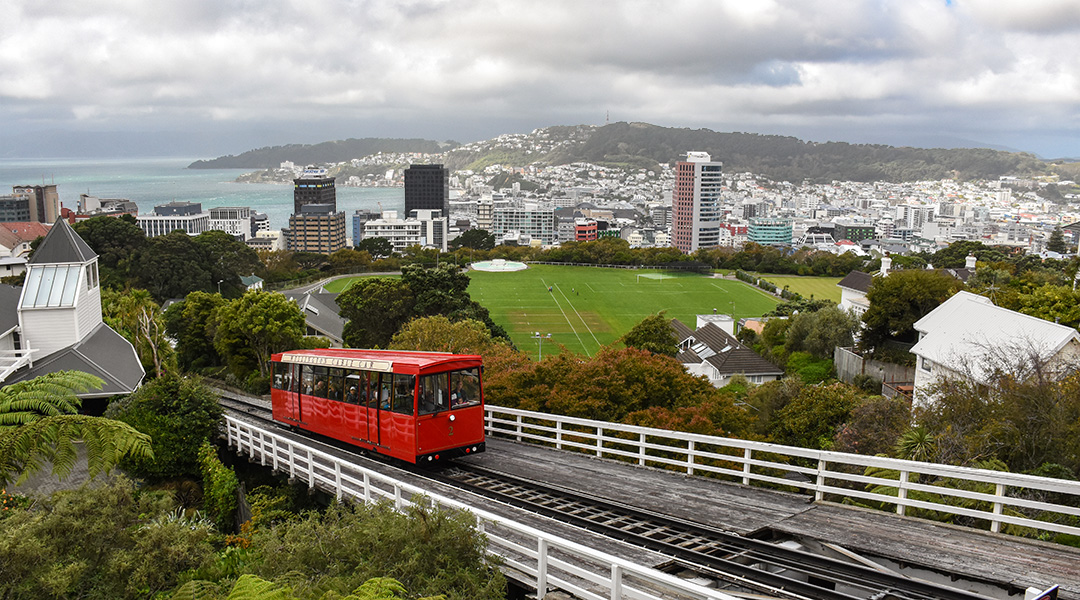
<point x="166" y="218"/>
<point x="428" y="229"/>
<point x="531" y="221"/>
<point x="233" y="220"/>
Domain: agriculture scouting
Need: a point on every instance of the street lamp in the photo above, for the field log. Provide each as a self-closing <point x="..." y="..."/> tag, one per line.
<point x="219" y="286"/>
<point x="541" y="338"/>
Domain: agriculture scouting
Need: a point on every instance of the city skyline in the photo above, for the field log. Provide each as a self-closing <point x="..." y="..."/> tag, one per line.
<point x="223" y="77"/>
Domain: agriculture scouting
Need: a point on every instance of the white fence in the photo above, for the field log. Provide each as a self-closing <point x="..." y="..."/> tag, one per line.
<point x="546" y="560"/>
<point x="1022" y="501"/>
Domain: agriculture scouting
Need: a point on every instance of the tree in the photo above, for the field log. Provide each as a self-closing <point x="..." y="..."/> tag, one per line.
<point x="38" y="424"/>
<point x="192" y="323"/>
<point x="116" y="241"/>
<point x="226" y="259"/>
<point x="477" y="239"/>
<point x="376" y="308"/>
<point x="377" y="247"/>
<point x="900" y="299"/>
<point x="135" y="315"/>
<point x="347" y="258"/>
<point x="1057" y="241"/>
<point x="821" y="331"/>
<point x="439" y="334"/>
<point x="875" y="424"/>
<point x="102" y="541"/>
<point x="653" y="334"/>
<point x="254" y="326"/>
<point x="811" y="419"/>
<point x="171" y="266"/>
<point x="180" y="413"/>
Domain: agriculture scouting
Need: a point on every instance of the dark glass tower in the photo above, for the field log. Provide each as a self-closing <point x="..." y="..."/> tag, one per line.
<point x="427" y="187"/>
<point x="314" y="187"/>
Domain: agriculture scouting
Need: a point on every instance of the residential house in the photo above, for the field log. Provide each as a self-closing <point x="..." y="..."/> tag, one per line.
<point x="967" y="336"/>
<point x="715" y="354"/>
<point x="53" y="322"/>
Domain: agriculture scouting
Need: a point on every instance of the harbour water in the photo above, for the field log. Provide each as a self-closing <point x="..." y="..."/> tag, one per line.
<point x="149" y="182"/>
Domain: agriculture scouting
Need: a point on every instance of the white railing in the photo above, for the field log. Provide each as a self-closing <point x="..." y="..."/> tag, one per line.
<point x="547" y="561"/>
<point x="13" y="360"/>
<point x="905" y="484"/>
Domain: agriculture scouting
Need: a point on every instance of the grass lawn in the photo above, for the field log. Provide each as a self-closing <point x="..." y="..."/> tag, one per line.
<point x="820" y="287"/>
<point x="338" y="285"/>
<point x="590" y="307"/>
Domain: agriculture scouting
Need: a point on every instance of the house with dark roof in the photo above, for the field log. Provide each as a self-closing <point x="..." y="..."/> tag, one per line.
<point x="855" y="285"/>
<point x="713" y="353"/>
<point x="321" y="315"/>
<point x="54" y="322"/>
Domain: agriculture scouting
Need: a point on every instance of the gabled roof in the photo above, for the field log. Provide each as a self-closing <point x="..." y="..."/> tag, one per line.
<point x="720" y="349"/>
<point x="857" y="280"/>
<point x="9" y="312"/>
<point x="62" y="245"/>
<point x="967" y="327"/>
<point x="321" y="313"/>
<point x="103" y="353"/>
<point x="12" y="234"/>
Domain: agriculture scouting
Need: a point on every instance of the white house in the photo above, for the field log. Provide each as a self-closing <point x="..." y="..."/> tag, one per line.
<point x="53" y="323"/>
<point x="967" y="336"/>
<point x="715" y="354"/>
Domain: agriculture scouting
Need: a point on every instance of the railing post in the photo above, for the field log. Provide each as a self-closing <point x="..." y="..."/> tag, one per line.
<point x="999" y="491"/>
<point x="558" y="434"/>
<point x="397" y="497"/>
<point x="541" y="569"/>
<point x="901" y="493"/>
<point x="690" y="457"/>
<point x="600" y="441"/>
<point x="337" y="480"/>
<point x="519" y="428"/>
<point x="616" y="582"/>
<point x="367" y="488"/>
<point x="292" y="462"/>
<point x="310" y="470"/>
<point x="819" y="487"/>
<point x="274" y="448"/>
<point x="747" y="454"/>
<point x="262" y="448"/>
<point x="641" y="449"/>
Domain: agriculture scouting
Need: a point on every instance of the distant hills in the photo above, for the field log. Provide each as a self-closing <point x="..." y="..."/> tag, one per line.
<point x="315" y="154"/>
<point x="641" y="145"/>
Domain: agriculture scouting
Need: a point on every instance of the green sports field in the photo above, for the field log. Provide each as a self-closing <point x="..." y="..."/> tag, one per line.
<point x="589" y="307"/>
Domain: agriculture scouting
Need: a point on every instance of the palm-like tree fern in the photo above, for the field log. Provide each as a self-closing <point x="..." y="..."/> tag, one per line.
<point x="38" y="425"/>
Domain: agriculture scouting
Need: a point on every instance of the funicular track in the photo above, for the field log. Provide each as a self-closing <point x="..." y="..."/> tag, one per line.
<point x="738" y="565"/>
<point x="733" y="561"/>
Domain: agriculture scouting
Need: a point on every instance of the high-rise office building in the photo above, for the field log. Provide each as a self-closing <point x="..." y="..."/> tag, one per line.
<point x="696" y="207"/>
<point x="315" y="225"/>
<point x="314" y="187"/>
<point x="427" y="187"/>
<point x="42" y="201"/>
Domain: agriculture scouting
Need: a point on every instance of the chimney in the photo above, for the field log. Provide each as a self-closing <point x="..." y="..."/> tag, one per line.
<point x="886" y="264"/>
<point x="969" y="262"/>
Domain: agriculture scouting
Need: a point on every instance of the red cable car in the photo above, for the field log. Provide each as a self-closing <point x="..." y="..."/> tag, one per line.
<point x="414" y="406"/>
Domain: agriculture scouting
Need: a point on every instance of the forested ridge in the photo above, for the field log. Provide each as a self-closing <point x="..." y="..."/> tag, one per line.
<point x="641" y="145"/>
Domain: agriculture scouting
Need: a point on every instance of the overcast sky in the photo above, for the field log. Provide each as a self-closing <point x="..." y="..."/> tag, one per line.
<point x="242" y="72"/>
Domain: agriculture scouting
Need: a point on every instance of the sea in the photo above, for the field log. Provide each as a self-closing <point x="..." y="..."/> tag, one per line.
<point x="154" y="181"/>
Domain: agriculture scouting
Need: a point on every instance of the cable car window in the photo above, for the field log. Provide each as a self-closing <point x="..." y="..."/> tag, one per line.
<point x="355" y="388"/>
<point x="434" y="393"/>
<point x="333" y="386"/>
<point x="404" y="393"/>
<point x="385" y="390"/>
<point x="307" y="379"/>
<point x="464" y="388"/>
<point x="320" y="382"/>
<point x="279" y="376"/>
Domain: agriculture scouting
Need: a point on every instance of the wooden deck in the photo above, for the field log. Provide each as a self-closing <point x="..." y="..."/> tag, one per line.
<point x="898" y="542"/>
